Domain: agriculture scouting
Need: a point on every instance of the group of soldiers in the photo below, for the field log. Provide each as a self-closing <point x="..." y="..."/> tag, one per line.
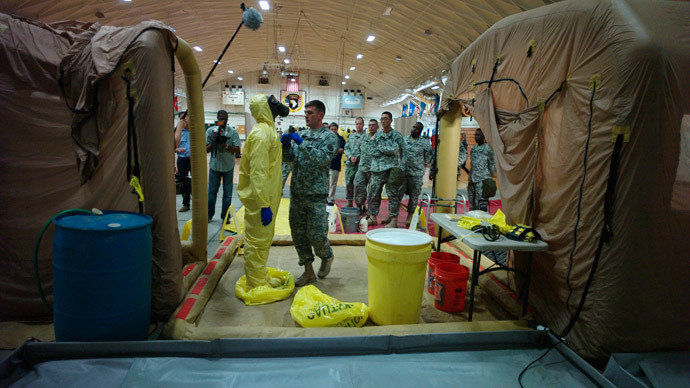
<point x="384" y="157"/>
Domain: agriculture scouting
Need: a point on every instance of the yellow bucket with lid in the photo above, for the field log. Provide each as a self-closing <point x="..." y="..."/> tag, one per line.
<point x="397" y="269"/>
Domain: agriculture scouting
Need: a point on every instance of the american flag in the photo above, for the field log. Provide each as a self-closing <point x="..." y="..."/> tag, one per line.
<point x="292" y="86"/>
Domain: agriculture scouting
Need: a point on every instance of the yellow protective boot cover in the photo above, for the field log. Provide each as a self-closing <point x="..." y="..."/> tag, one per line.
<point x="266" y="294"/>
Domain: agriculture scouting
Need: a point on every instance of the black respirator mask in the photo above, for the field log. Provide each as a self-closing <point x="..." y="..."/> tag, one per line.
<point x="277" y="108"/>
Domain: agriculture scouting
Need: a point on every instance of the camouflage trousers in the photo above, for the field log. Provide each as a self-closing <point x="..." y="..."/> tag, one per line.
<point x="286" y="168"/>
<point x="309" y="227"/>
<point x="362" y="179"/>
<point x="412" y="186"/>
<point x="350" y="175"/>
<point x="476" y="199"/>
<point x="378" y="179"/>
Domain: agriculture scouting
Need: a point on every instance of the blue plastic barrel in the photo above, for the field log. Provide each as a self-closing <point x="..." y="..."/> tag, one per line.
<point x="102" y="277"/>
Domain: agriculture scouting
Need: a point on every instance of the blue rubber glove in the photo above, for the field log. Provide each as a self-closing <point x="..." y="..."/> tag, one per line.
<point x="296" y="137"/>
<point x="285" y="139"/>
<point x="266" y="216"/>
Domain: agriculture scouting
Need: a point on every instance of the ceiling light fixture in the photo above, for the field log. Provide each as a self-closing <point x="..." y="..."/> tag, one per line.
<point x="281" y="49"/>
<point x="370" y="38"/>
<point x="198" y="48"/>
<point x="398" y="58"/>
<point x="347" y="77"/>
<point x="293" y="80"/>
<point x="231" y="72"/>
<point x="427" y="32"/>
<point x="286" y="60"/>
<point x="360" y="56"/>
<point x="343" y="82"/>
<point x="352" y="68"/>
<point x="435" y="87"/>
<point x="240" y="78"/>
<point x="388" y="11"/>
<point x="127" y="1"/>
<point x="216" y="61"/>
<point x="264" y="5"/>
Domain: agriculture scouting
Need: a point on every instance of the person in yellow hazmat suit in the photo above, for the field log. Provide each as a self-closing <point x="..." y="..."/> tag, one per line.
<point x="260" y="186"/>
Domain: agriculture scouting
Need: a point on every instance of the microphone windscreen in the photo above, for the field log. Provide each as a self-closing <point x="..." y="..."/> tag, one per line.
<point x="252" y="18"/>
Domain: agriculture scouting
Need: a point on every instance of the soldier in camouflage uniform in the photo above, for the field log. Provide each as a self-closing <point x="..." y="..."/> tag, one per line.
<point x="481" y="167"/>
<point x="286" y="167"/>
<point x="311" y="156"/>
<point x="363" y="171"/>
<point x="352" y="160"/>
<point x="387" y="154"/>
<point x="417" y="155"/>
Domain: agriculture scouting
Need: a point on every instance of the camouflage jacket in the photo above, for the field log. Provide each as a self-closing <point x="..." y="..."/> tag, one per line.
<point x="481" y="163"/>
<point x="388" y="150"/>
<point x="352" y="147"/>
<point x="310" y="161"/>
<point x="365" y="152"/>
<point x="462" y="154"/>
<point x="417" y="155"/>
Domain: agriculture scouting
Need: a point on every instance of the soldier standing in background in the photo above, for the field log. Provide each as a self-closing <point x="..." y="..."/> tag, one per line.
<point x="352" y="160"/>
<point x="286" y="167"/>
<point x="481" y="167"/>
<point x="417" y="155"/>
<point x="363" y="175"/>
<point x="311" y="156"/>
<point x="385" y="169"/>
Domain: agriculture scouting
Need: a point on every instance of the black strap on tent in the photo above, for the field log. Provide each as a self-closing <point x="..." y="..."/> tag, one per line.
<point x="493" y="74"/>
<point x="606" y="233"/>
<point x="132" y="147"/>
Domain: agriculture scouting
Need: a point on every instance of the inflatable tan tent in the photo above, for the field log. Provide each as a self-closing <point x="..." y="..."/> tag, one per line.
<point x="64" y="144"/>
<point x="586" y="106"/>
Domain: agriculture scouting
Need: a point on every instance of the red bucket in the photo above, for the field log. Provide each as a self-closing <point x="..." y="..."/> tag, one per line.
<point x="438" y="257"/>
<point x="451" y="286"/>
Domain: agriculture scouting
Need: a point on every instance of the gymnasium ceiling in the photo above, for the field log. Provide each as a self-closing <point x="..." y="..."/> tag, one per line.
<point x="321" y="36"/>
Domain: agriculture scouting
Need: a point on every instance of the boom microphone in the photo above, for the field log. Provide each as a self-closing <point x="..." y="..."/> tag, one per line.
<point x="252" y="18"/>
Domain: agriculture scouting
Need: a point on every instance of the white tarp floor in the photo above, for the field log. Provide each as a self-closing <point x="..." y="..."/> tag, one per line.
<point x="488" y="359"/>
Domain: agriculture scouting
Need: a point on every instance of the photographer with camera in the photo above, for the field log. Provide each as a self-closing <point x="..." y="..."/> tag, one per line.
<point x="223" y="143"/>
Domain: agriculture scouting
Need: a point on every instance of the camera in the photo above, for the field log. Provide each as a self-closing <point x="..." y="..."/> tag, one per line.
<point x="220" y="137"/>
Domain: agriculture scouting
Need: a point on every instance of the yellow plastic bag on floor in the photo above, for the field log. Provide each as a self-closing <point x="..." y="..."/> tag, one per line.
<point x="266" y="294"/>
<point x="313" y="308"/>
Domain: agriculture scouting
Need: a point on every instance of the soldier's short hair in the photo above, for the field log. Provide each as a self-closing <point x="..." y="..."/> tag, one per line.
<point x="317" y="104"/>
<point x="374" y="120"/>
<point x="333" y="124"/>
<point x="390" y="115"/>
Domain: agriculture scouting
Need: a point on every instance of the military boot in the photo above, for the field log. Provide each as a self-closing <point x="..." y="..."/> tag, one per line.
<point x="349" y="203"/>
<point x="408" y="220"/>
<point x="371" y="219"/>
<point x="307" y="277"/>
<point x="393" y="223"/>
<point x="387" y="220"/>
<point x="325" y="268"/>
